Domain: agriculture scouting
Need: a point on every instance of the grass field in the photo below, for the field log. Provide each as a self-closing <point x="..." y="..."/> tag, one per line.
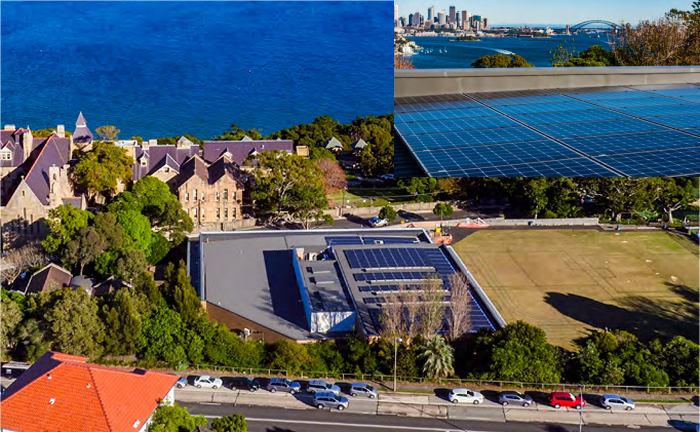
<point x="570" y="281"/>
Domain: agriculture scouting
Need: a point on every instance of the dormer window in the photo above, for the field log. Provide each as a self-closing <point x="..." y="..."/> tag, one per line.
<point x="144" y="162"/>
<point x="5" y="155"/>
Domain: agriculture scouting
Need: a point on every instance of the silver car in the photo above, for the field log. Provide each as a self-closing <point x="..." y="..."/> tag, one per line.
<point x="208" y="381"/>
<point x="610" y="401"/>
<point x="330" y="400"/>
<point x="316" y="386"/>
<point x="363" y="389"/>
<point x="514" y="398"/>
<point x="283" y="384"/>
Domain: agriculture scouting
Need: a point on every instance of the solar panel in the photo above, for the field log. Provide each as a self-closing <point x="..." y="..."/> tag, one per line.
<point x="583" y="132"/>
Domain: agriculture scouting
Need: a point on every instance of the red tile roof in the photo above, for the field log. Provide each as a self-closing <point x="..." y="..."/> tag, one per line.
<point x="62" y="392"/>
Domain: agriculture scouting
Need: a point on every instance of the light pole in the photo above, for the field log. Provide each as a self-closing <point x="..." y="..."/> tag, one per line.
<point x="396" y="354"/>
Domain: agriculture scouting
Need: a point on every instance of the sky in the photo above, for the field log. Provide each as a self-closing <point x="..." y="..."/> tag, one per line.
<point x="550" y="11"/>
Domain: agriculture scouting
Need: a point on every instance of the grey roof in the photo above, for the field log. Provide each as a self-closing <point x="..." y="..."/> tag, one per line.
<point x="48" y="278"/>
<point x="334" y="143"/>
<point x="240" y="150"/>
<point x="157" y="156"/>
<point x="82" y="134"/>
<point x="251" y="274"/>
<point x="54" y="152"/>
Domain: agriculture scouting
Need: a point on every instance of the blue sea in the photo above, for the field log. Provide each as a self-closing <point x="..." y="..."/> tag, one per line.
<point x="167" y="68"/>
<point x="440" y="52"/>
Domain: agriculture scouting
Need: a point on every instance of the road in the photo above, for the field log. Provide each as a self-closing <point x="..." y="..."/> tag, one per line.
<point x="271" y="419"/>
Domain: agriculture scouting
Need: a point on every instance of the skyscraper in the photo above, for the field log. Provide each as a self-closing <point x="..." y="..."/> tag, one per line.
<point x="431" y="12"/>
<point x="442" y="18"/>
<point x="453" y="14"/>
<point x="465" y="20"/>
<point x="416" y="19"/>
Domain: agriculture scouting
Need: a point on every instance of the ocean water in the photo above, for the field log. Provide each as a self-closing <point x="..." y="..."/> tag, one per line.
<point x="439" y="52"/>
<point x="167" y="68"/>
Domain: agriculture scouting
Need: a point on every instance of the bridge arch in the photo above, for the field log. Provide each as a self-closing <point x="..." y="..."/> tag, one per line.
<point x="581" y="25"/>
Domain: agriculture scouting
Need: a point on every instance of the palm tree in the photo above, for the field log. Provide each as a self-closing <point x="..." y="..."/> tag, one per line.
<point x="437" y="357"/>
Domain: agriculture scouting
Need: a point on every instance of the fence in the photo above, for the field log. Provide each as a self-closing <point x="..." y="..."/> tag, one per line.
<point x="408" y="383"/>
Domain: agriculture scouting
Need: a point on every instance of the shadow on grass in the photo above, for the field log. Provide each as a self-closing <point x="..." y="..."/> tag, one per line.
<point x="643" y="318"/>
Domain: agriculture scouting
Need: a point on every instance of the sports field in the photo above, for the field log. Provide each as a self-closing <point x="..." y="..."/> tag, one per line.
<point x="570" y="281"/>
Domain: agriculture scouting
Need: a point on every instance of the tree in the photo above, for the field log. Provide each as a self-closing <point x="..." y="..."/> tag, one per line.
<point x="437" y="357"/>
<point x="596" y="55"/>
<point x="100" y="170"/>
<point x="535" y="191"/>
<point x="431" y="307"/>
<point x="501" y="61"/>
<point x="84" y="249"/>
<point x="137" y="228"/>
<point x="290" y="356"/>
<point x="679" y="358"/>
<point x="64" y="223"/>
<point x="174" y="419"/>
<point x="10" y="318"/>
<point x="443" y="210"/>
<point x="123" y="317"/>
<point x="459" y="307"/>
<point x="288" y="184"/>
<point x="332" y="174"/>
<point x="32" y="341"/>
<point x="162" y="337"/>
<point x="673" y="194"/>
<point x="230" y="423"/>
<point x="234" y="133"/>
<point x="108" y="132"/>
<point x="421" y="187"/>
<point x="387" y="212"/>
<point x="21" y="260"/>
<point x="520" y="352"/>
<point x="180" y="294"/>
<point x="74" y="322"/>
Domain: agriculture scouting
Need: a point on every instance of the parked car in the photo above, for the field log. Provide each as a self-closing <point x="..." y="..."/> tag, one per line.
<point x="330" y="400"/>
<point x="564" y="399"/>
<point x="515" y="398"/>
<point x="376" y="222"/>
<point x="462" y="395"/>
<point x="283" y="384"/>
<point x="610" y="401"/>
<point x="244" y="383"/>
<point x="316" y="386"/>
<point x="363" y="389"/>
<point x="207" y="381"/>
<point x="181" y="382"/>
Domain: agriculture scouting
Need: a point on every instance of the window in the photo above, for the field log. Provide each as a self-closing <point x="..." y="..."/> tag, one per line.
<point x="234" y="195"/>
<point x="218" y="195"/>
<point x="226" y="214"/>
<point x="6" y="155"/>
<point x="144" y="162"/>
<point x="167" y="169"/>
<point x="194" y="211"/>
<point x="194" y="195"/>
<point x="225" y="194"/>
<point x="218" y="213"/>
<point x="187" y="196"/>
<point x="233" y="213"/>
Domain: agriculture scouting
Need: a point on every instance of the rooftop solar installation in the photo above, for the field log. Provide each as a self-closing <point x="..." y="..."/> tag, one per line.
<point x="611" y="131"/>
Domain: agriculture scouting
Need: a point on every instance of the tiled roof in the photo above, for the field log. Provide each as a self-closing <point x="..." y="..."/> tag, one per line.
<point x="55" y="151"/>
<point x="50" y="277"/>
<point x="61" y="392"/>
<point x="211" y="173"/>
<point x="82" y="134"/>
<point x="240" y="150"/>
<point x="157" y="155"/>
<point x="12" y="140"/>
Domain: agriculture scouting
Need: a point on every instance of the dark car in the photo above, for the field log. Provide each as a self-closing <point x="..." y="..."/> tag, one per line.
<point x="243" y="383"/>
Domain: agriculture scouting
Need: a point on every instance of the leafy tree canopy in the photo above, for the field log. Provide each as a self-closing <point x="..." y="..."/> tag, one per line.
<point x="175" y="419"/>
<point x="501" y="61"/>
<point x="100" y="170"/>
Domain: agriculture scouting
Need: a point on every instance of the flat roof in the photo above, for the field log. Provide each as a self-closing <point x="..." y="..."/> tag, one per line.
<point x="631" y="131"/>
<point x="251" y="274"/>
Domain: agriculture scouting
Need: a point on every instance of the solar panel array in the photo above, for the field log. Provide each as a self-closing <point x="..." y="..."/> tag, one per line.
<point x="621" y="131"/>
<point x="354" y="240"/>
<point x="386" y="270"/>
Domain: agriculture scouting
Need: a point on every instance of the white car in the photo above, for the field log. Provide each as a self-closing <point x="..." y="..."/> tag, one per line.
<point x="376" y="222"/>
<point x="206" y="381"/>
<point x="462" y="395"/>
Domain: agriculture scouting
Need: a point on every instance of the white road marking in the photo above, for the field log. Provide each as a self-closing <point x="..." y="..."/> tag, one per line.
<point x="354" y="425"/>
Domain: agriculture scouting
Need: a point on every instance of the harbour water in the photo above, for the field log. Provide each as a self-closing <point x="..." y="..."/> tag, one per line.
<point x="441" y="52"/>
<point x="167" y="68"/>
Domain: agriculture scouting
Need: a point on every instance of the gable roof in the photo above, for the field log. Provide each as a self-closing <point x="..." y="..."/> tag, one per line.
<point x="334" y="143"/>
<point x="210" y="173"/>
<point x="50" y="277"/>
<point x="240" y="150"/>
<point x="360" y="144"/>
<point x="62" y="392"/>
<point x="157" y="156"/>
<point x="55" y="152"/>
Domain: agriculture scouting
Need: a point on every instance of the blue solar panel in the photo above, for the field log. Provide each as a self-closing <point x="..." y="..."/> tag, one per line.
<point x="393" y="276"/>
<point x="567" y="134"/>
<point x="343" y="240"/>
<point x="389" y="240"/>
<point x="682" y="162"/>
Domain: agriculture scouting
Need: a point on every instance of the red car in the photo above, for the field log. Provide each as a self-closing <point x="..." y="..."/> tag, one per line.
<point x="563" y="399"/>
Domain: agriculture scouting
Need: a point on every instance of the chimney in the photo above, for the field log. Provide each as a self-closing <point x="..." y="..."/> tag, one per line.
<point x="9" y="127"/>
<point x="61" y="131"/>
<point x="27" y="143"/>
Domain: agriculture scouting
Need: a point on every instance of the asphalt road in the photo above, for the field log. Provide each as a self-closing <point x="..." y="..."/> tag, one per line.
<point x="270" y="419"/>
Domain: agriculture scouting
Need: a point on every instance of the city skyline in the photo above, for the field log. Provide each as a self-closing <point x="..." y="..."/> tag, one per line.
<point x="550" y="11"/>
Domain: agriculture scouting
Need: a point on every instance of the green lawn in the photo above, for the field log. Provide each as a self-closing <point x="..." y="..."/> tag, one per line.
<point x="570" y="281"/>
